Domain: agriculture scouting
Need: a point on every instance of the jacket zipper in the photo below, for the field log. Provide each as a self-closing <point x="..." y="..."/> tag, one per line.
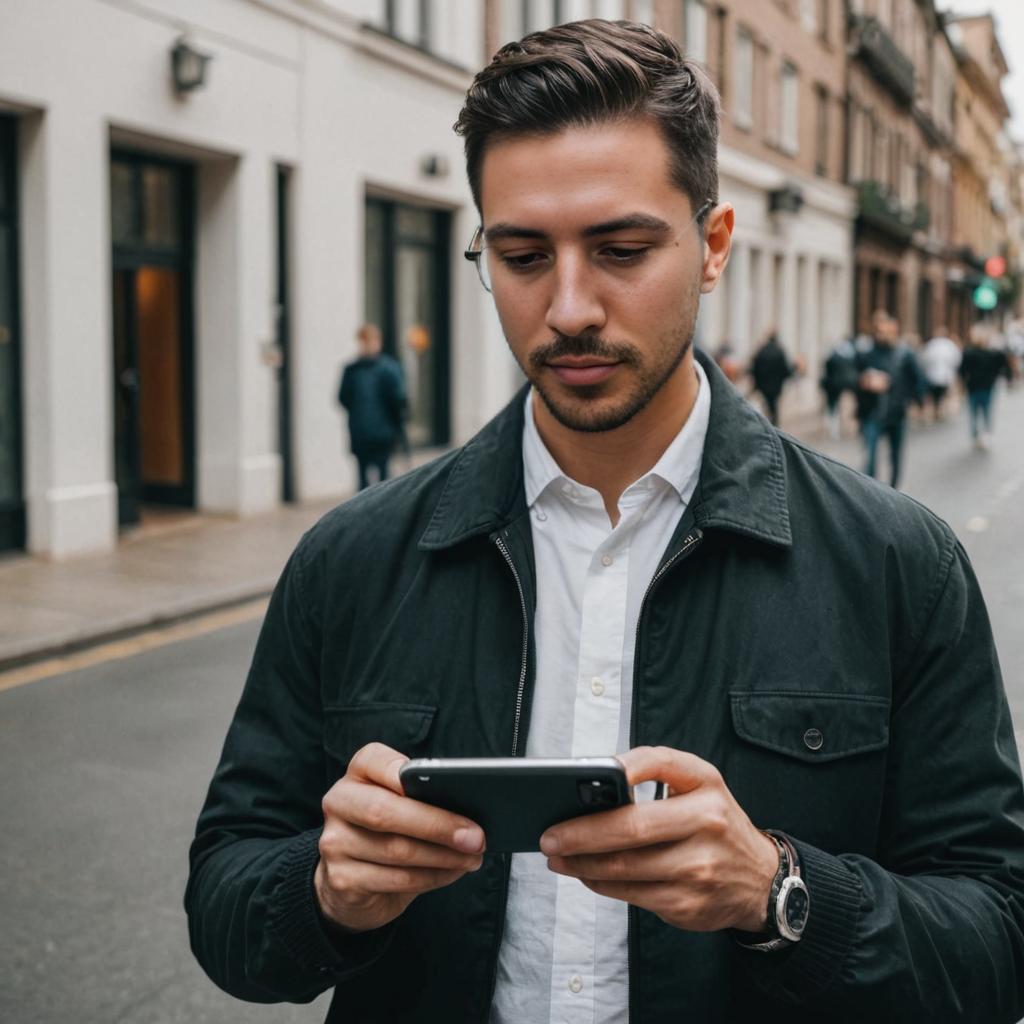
<point x="499" y="543"/>
<point x="692" y="540"/>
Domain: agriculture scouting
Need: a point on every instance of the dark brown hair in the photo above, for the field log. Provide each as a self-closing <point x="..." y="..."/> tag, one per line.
<point x="589" y="72"/>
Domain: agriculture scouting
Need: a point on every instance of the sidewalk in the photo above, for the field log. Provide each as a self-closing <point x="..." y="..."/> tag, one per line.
<point x="174" y="568"/>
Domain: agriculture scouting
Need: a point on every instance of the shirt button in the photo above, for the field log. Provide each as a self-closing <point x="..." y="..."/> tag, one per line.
<point x="575" y="983"/>
<point x="596" y="686"/>
<point x="606" y="560"/>
<point x="813" y="739"/>
<point x="542" y="515"/>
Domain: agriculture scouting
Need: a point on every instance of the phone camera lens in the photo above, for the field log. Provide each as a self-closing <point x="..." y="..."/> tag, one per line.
<point x="596" y="793"/>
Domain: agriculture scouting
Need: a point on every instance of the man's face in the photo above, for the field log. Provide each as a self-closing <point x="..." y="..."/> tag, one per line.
<point x="596" y="267"/>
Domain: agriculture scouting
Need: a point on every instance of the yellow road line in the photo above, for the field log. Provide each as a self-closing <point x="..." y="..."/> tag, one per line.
<point x="128" y="647"/>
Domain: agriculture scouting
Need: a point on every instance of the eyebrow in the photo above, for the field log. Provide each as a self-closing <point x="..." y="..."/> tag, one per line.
<point x="629" y="222"/>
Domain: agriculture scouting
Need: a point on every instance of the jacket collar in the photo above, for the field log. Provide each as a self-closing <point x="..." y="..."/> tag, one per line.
<point x="742" y="485"/>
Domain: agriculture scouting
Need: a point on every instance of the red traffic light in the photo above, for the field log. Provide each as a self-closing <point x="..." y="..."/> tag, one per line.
<point x="995" y="266"/>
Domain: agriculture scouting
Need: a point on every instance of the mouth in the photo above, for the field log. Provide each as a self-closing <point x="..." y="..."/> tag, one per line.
<point x="582" y="371"/>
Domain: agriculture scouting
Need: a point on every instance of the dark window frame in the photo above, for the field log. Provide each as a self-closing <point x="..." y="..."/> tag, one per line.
<point x="13" y="531"/>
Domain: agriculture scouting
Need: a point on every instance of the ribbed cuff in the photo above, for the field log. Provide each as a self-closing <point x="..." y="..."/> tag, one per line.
<point x="810" y="966"/>
<point x="299" y="925"/>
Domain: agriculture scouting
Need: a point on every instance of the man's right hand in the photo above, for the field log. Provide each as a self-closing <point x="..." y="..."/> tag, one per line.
<point x="380" y="849"/>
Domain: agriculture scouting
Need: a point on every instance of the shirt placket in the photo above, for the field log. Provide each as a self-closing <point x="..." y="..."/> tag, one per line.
<point x="595" y="733"/>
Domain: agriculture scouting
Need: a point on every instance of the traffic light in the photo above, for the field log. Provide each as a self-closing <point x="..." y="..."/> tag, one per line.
<point x="986" y="296"/>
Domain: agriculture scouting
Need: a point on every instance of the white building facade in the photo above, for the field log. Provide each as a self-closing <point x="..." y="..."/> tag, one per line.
<point x="182" y="272"/>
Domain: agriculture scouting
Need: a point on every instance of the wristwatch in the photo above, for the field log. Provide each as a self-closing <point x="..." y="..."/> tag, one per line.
<point x="789" y="903"/>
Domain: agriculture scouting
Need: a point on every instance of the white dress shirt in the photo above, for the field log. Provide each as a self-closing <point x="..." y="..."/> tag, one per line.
<point x="564" y="951"/>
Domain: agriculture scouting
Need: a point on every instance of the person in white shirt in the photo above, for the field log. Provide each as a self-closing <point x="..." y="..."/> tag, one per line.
<point x="940" y="361"/>
<point x="628" y="560"/>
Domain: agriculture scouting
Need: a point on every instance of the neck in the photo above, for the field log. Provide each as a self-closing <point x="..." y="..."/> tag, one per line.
<point x="609" y="461"/>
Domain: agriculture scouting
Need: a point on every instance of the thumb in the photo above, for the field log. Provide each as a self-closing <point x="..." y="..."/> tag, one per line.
<point x="680" y="771"/>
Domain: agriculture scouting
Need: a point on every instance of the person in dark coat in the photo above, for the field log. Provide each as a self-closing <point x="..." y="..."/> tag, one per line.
<point x="839" y="374"/>
<point x="889" y="380"/>
<point x="771" y="369"/>
<point x="372" y="391"/>
<point x="980" y="368"/>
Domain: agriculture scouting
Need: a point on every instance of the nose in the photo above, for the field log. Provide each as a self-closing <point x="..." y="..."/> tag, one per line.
<point x="575" y="305"/>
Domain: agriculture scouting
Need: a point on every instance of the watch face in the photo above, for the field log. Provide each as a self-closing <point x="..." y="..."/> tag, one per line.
<point x="797" y="906"/>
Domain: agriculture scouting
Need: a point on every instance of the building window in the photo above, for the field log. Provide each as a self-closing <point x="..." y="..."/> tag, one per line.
<point x="696" y="29"/>
<point x="789" y="105"/>
<point x="821" y="127"/>
<point x="809" y="15"/>
<point x="744" y="111"/>
<point x="825" y="20"/>
<point x="408" y="20"/>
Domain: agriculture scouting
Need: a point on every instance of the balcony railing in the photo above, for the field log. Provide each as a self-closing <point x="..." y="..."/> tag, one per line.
<point x="887" y="62"/>
<point x="878" y="207"/>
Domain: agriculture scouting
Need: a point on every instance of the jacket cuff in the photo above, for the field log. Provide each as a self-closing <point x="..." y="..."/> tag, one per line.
<point x="810" y="966"/>
<point x="314" y="942"/>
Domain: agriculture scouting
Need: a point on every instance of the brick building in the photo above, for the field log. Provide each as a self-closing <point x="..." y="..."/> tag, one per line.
<point x="982" y="164"/>
<point x="900" y="88"/>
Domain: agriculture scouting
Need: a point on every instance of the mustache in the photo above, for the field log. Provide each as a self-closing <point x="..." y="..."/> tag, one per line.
<point x="583" y="345"/>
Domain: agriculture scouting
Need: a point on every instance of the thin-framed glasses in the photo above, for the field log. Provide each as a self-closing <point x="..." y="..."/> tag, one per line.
<point x="477" y="254"/>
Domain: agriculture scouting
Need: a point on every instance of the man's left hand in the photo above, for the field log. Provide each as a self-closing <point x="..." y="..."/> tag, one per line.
<point x="694" y="858"/>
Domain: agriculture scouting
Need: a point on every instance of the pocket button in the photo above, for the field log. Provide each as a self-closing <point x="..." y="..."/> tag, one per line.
<point x="813" y="739"/>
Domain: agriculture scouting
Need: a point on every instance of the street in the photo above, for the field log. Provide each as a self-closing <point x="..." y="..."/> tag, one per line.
<point x="104" y="770"/>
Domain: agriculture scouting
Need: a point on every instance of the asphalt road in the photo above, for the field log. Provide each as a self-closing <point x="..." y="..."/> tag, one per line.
<point x="102" y="772"/>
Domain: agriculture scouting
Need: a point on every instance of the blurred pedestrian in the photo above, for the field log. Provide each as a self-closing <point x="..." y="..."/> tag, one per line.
<point x="940" y="360"/>
<point x="981" y="367"/>
<point x="889" y="379"/>
<point x="770" y="370"/>
<point x="839" y="374"/>
<point x="372" y="390"/>
<point x="728" y="362"/>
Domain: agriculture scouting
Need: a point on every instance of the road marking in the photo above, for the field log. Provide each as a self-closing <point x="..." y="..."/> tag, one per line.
<point x="977" y="524"/>
<point x="115" y="650"/>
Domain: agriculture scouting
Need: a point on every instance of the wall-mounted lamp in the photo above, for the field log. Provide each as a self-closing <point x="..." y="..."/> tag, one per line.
<point x="188" y="66"/>
<point x="788" y="199"/>
<point x="434" y="166"/>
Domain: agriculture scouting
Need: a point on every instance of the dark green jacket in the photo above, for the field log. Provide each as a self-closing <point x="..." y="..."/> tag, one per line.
<point x="796" y="595"/>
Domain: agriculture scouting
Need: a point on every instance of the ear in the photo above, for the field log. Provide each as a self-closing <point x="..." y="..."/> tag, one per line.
<point x="717" y="245"/>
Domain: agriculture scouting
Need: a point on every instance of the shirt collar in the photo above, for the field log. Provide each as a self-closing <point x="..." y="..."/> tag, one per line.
<point x="678" y="466"/>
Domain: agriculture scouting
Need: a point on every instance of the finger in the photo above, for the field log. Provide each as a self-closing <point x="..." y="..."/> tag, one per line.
<point x="378" y="763"/>
<point x="628" y="828"/>
<point x="397" y="850"/>
<point x="380" y="879"/>
<point x="681" y="771"/>
<point x="652" y="864"/>
<point x="377" y="809"/>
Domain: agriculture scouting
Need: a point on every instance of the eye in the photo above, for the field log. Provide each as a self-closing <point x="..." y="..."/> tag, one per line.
<point x="521" y="262"/>
<point x="625" y="255"/>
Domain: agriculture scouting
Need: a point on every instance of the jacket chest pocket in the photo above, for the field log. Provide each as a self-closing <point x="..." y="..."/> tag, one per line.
<point x="403" y="727"/>
<point x="811" y="763"/>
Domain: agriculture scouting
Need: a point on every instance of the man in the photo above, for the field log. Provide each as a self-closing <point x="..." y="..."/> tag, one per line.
<point x="940" y="360"/>
<point x="839" y="374"/>
<point x="982" y="366"/>
<point x="770" y="369"/>
<point x="372" y="390"/>
<point x="889" y="380"/>
<point x="628" y="558"/>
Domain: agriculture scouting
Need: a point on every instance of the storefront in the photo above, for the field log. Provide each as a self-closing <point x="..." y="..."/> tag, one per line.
<point x="152" y="218"/>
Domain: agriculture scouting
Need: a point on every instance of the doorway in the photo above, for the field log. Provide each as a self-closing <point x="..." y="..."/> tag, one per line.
<point x="407" y="296"/>
<point x="12" y="502"/>
<point x="154" y="435"/>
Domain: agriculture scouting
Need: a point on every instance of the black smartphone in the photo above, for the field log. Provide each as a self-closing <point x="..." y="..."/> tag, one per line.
<point x="516" y="799"/>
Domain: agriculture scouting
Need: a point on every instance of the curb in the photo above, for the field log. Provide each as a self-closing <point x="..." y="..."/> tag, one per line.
<point x="56" y="645"/>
